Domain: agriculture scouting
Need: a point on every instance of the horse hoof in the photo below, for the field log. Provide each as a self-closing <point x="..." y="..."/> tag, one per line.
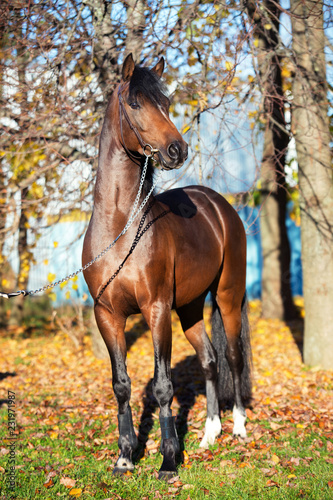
<point x="118" y="471"/>
<point x="123" y="467"/>
<point x="240" y="437"/>
<point x="165" y="475"/>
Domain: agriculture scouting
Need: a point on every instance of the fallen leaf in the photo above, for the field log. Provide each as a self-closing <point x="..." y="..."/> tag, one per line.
<point x="224" y="463"/>
<point x="269" y="472"/>
<point x="68" y="482"/>
<point x="188" y="487"/>
<point x="178" y="484"/>
<point x="75" y="492"/>
<point x="186" y="458"/>
<point x="244" y="464"/>
<point x="275" y="426"/>
<point x="48" y="483"/>
<point x="249" y="413"/>
<point x="272" y="484"/>
<point x="173" y="480"/>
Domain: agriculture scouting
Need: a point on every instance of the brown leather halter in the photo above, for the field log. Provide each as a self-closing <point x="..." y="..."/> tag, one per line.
<point x="143" y="144"/>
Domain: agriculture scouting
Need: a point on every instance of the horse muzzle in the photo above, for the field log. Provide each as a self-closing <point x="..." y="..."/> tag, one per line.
<point x="176" y="154"/>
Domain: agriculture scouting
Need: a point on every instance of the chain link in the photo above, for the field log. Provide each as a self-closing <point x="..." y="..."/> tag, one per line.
<point x="140" y="232"/>
<point x="134" y="213"/>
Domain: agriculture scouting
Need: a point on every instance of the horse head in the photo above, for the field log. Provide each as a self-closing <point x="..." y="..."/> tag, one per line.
<point x="145" y="125"/>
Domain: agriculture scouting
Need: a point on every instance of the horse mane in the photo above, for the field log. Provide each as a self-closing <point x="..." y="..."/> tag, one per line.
<point x="147" y="83"/>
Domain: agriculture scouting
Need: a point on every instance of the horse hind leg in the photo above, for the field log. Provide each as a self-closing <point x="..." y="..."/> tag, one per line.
<point x="112" y="330"/>
<point x="231" y="339"/>
<point x="191" y="318"/>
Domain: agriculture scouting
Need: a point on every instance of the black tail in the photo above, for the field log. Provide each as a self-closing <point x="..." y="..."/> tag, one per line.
<point x="219" y="340"/>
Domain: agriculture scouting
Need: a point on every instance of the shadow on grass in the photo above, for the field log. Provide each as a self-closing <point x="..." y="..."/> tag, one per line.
<point x="4" y="375"/>
<point x="188" y="382"/>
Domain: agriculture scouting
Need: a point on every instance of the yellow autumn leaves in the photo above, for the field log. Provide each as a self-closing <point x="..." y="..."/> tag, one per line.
<point x="51" y="277"/>
<point x="24" y="160"/>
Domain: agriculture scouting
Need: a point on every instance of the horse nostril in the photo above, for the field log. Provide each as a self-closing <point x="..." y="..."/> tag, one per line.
<point x="174" y="151"/>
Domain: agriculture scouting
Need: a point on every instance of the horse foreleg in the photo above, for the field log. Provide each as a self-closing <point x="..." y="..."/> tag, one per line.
<point x="193" y="325"/>
<point x="159" y="321"/>
<point x="112" y="330"/>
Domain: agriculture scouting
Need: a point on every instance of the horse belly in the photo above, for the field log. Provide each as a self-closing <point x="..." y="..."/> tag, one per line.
<point x="198" y="261"/>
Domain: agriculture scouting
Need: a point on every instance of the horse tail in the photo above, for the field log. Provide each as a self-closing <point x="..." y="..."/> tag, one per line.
<point x="225" y="386"/>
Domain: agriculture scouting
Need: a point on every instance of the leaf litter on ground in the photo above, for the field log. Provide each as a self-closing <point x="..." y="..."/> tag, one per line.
<point x="64" y="399"/>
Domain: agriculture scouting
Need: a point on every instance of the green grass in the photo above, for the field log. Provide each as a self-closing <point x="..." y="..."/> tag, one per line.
<point x="230" y="469"/>
<point x="66" y="418"/>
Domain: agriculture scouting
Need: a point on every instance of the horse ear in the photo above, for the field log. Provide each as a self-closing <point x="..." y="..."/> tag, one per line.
<point x="128" y="68"/>
<point x="159" y="68"/>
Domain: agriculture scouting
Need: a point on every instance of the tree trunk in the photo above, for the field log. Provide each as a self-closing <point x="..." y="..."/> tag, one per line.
<point x="25" y="256"/>
<point x="105" y="52"/>
<point x="310" y="125"/>
<point x="136" y="22"/>
<point x="277" y="299"/>
<point x="23" y="248"/>
<point x="3" y="192"/>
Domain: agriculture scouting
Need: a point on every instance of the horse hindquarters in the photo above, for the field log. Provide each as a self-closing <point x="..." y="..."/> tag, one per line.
<point x="234" y="365"/>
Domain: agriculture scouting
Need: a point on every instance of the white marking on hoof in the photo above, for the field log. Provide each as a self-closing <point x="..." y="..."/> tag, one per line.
<point x="239" y="422"/>
<point x="124" y="463"/>
<point x="212" y="430"/>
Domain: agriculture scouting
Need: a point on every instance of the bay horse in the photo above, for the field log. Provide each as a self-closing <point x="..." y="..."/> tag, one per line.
<point x="187" y="243"/>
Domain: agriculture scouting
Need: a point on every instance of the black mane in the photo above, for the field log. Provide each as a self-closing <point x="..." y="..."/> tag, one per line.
<point x="147" y="83"/>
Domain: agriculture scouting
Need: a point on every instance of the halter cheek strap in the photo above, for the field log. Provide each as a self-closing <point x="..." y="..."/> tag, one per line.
<point x="148" y="150"/>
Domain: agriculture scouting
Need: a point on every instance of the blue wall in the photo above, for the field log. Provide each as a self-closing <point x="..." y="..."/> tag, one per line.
<point x="251" y="219"/>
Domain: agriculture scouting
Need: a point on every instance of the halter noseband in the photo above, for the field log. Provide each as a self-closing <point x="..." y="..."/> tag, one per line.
<point x="142" y="143"/>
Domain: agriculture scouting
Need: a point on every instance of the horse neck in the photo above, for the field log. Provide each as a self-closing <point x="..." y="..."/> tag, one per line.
<point x="118" y="176"/>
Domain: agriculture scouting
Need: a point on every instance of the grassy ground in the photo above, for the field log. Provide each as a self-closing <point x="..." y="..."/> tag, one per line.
<point x="64" y="424"/>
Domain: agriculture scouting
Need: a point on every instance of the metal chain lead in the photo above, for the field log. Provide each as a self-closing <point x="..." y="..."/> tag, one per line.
<point x="134" y="213"/>
<point x="139" y="233"/>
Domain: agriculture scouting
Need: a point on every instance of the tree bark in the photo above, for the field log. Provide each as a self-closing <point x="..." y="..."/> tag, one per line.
<point x="136" y="22"/>
<point x="24" y="253"/>
<point x="310" y="125"/>
<point x="3" y="192"/>
<point x="105" y="52"/>
<point x="277" y="299"/>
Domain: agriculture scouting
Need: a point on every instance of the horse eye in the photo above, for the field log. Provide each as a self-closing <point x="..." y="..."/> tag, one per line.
<point x="134" y="105"/>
